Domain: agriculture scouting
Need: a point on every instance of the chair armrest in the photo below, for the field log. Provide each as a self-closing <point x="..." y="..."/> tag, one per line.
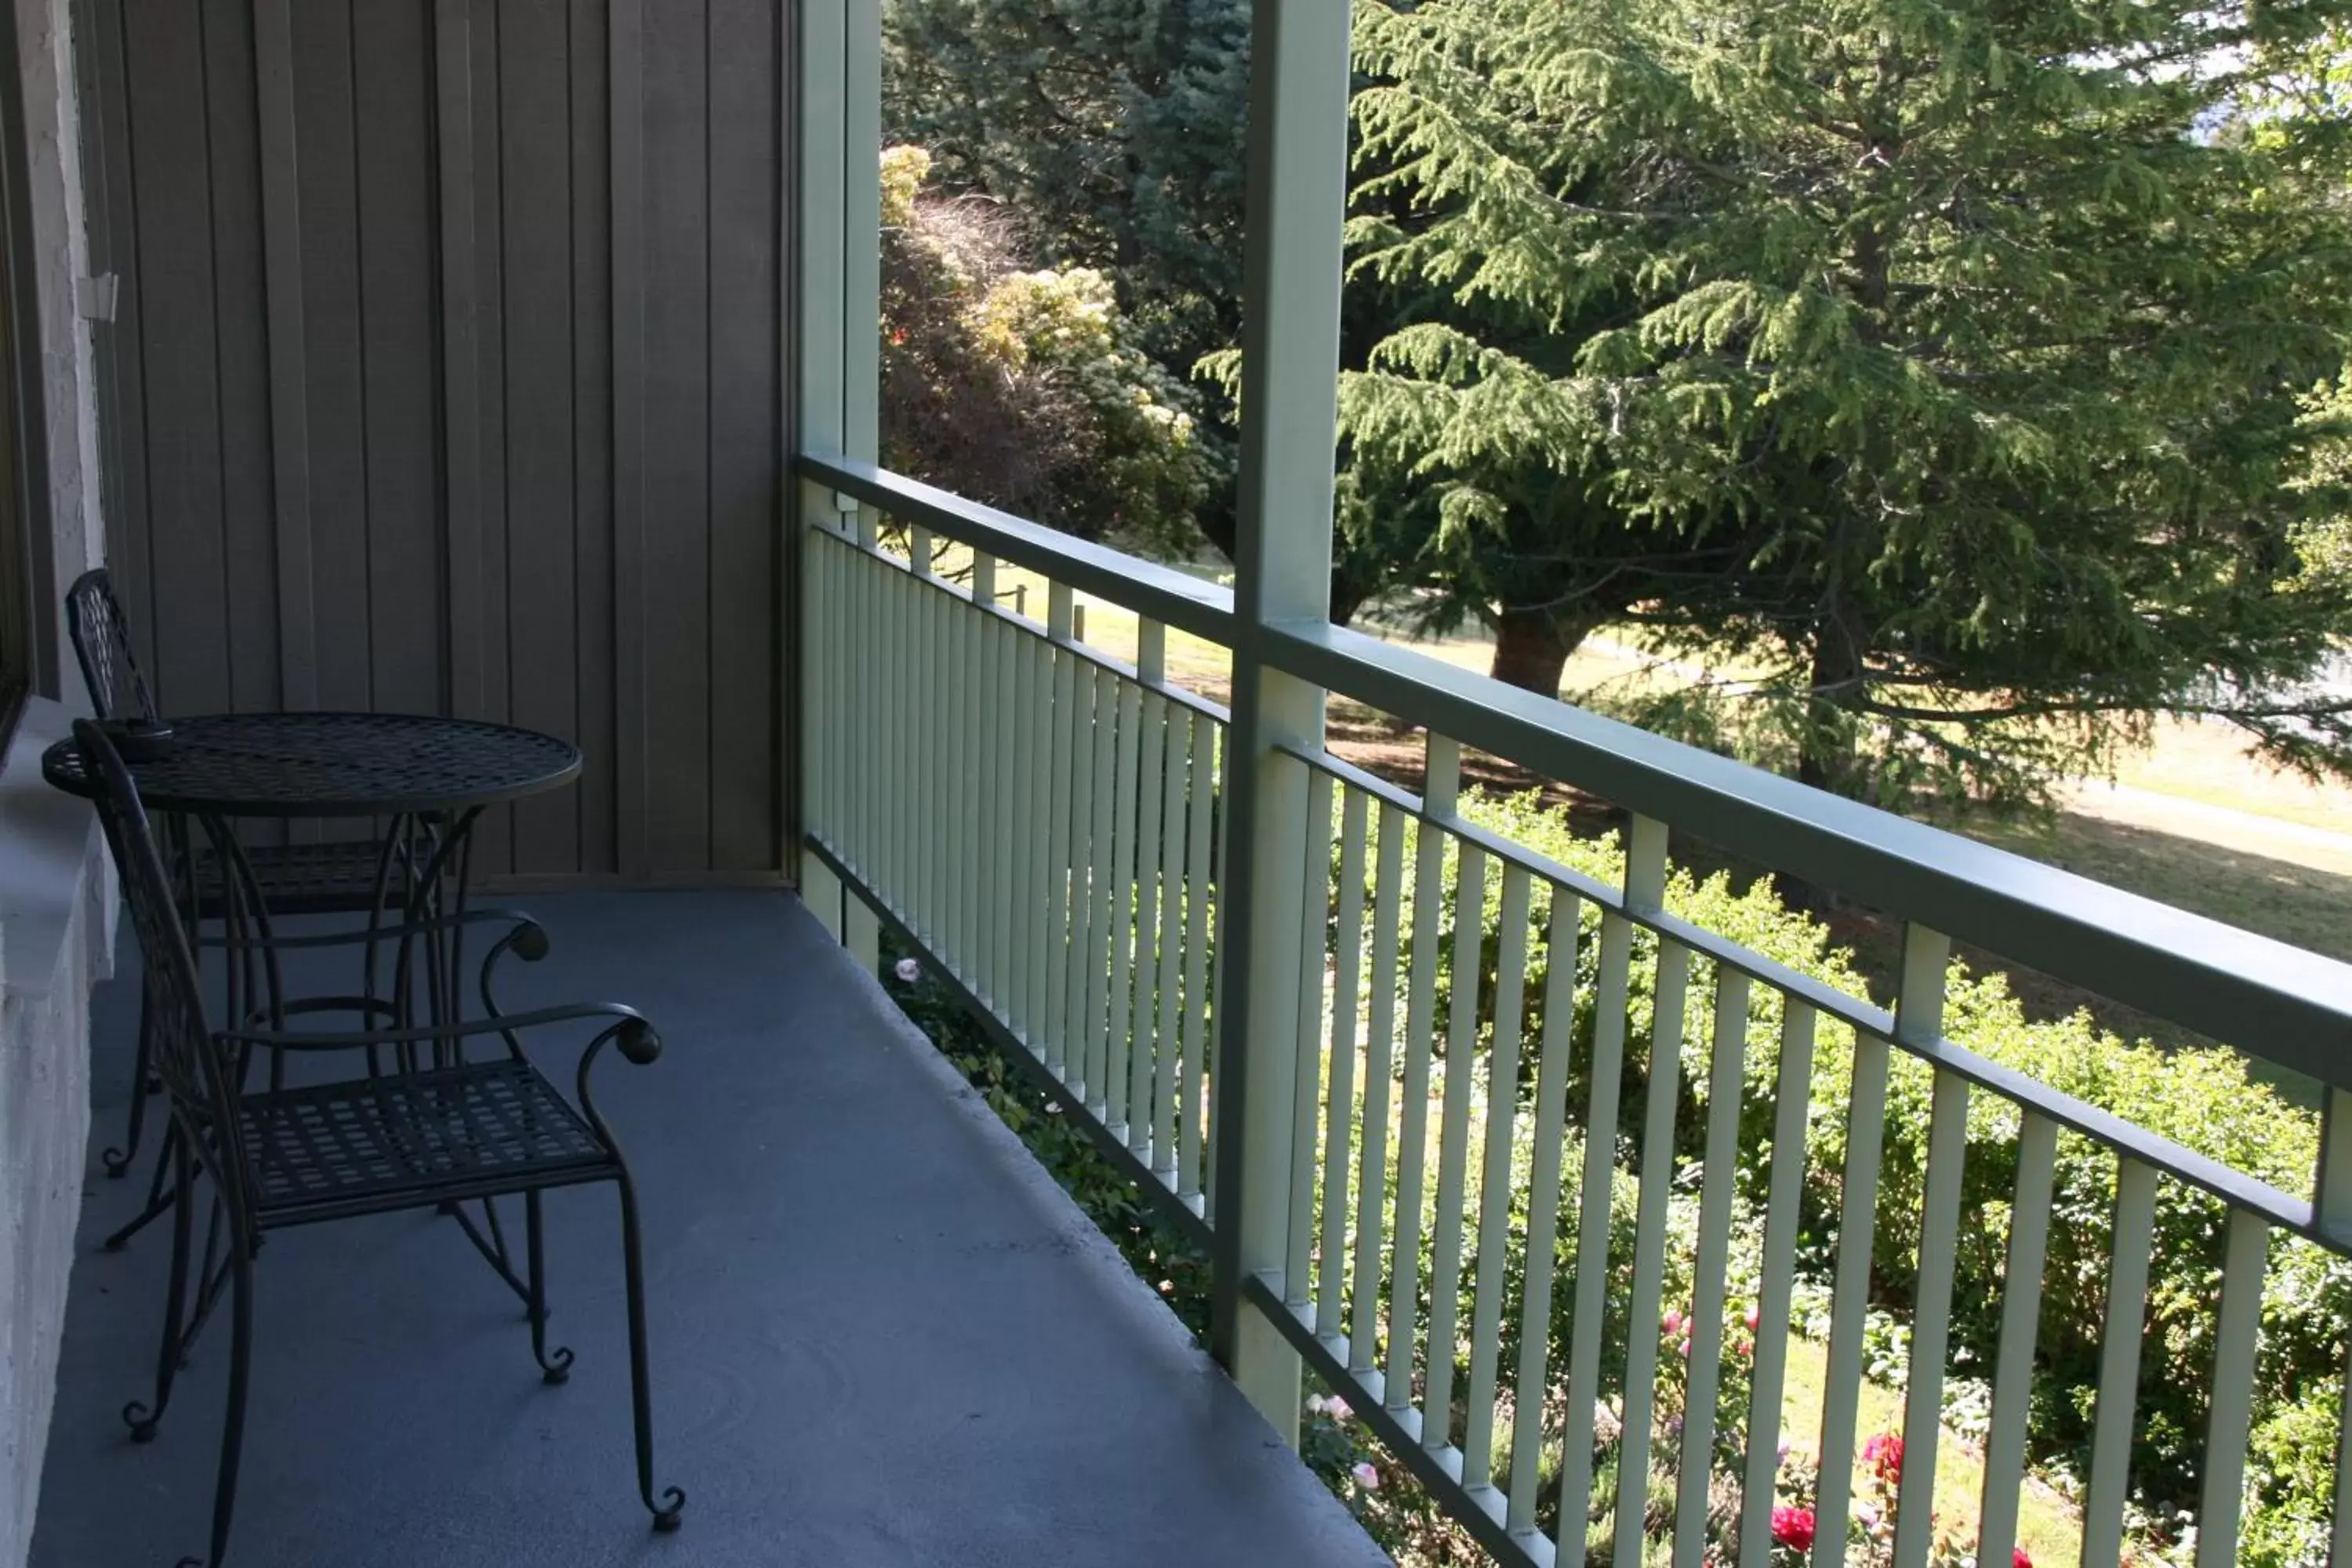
<point x="424" y="1034"/>
<point x="380" y="933"/>
<point x="635" y="1039"/>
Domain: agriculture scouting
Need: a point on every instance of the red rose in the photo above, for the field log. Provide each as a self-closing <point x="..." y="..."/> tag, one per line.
<point x="1793" y="1526"/>
<point x="2020" y="1559"/>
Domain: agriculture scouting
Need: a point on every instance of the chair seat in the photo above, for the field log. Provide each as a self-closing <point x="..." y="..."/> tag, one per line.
<point x="409" y="1138"/>
<point x="333" y="878"/>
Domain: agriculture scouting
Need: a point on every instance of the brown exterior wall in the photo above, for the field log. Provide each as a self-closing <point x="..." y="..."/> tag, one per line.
<point x="448" y="373"/>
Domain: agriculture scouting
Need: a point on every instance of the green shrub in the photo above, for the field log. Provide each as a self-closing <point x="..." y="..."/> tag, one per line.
<point x="2202" y="1099"/>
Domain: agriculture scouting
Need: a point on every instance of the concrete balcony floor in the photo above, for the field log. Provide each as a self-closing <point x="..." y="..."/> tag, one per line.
<point x="881" y="1334"/>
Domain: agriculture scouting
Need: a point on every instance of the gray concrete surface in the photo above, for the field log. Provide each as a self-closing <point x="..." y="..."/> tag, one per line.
<point x="54" y="910"/>
<point x="882" y="1335"/>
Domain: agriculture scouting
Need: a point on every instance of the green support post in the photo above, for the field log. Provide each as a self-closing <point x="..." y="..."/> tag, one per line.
<point x="1290" y="356"/>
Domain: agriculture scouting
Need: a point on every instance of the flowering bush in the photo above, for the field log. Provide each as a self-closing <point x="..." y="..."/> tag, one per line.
<point x="1793" y="1528"/>
<point x="1024" y="388"/>
<point x="2203" y="1099"/>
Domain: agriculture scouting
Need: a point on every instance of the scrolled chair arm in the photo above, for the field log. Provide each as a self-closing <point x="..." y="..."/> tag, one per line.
<point x="635" y="1039"/>
<point x="359" y="934"/>
<point x="528" y="942"/>
<point x="424" y="1034"/>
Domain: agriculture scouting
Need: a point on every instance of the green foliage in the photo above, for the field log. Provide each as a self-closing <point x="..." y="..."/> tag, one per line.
<point x="1112" y="129"/>
<point x="1934" y="357"/>
<point x="1024" y="389"/>
<point x="1108" y="134"/>
<point x="2200" y="1100"/>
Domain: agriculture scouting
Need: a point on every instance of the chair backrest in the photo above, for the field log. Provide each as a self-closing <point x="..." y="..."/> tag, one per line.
<point x="185" y="1053"/>
<point x="101" y="642"/>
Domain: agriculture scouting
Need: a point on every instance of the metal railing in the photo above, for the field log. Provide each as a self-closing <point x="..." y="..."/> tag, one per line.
<point x="1045" y="823"/>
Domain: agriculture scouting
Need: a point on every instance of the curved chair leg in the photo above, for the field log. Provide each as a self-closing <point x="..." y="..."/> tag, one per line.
<point x="160" y="1197"/>
<point x="240" y="1368"/>
<point x="670" y="1506"/>
<point x="144" y="1419"/>
<point x="554" y="1366"/>
<point x="118" y="1161"/>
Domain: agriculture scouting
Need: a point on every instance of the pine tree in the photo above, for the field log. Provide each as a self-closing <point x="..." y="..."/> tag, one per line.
<point x="1942" y="363"/>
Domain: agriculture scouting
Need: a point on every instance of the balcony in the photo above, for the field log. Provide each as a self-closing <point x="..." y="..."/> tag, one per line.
<point x="881" y="1333"/>
<point x="1058" y="827"/>
<point x="1455" y="1105"/>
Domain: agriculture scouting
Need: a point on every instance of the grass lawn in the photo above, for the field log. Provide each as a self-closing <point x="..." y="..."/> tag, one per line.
<point x="2048" y="1526"/>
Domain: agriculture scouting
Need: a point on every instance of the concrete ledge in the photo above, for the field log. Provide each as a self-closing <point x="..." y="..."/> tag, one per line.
<point x="55" y="921"/>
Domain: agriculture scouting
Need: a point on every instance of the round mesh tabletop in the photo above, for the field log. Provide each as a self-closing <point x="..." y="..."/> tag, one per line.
<point x="334" y="764"/>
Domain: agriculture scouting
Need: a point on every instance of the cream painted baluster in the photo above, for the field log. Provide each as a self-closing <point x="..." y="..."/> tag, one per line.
<point x="2119" y="1397"/>
<point x="1494" y="1183"/>
<point x="1850" y="1296"/>
<point x="1060" y="853"/>
<point x="1543" y="1214"/>
<point x="1077" y="1058"/>
<point x="2231" y="1422"/>
<point x="1152" y="669"/>
<point x="1201" y="830"/>
<point x="1102" y="875"/>
<point x="1178" y="765"/>
<point x="1661" y="1089"/>
<point x="993" y="713"/>
<point x="1220" y="806"/>
<point x="919" y="868"/>
<point x="1380" y="1049"/>
<point x="904" y="777"/>
<point x="1919" y="1022"/>
<point x="1454" y="1147"/>
<point x="1711" y="1264"/>
<point x="1645" y="874"/>
<point x="891" y="626"/>
<point x="1042" y="878"/>
<point x="984" y="718"/>
<point x="965" y="789"/>
<point x="1118" y="925"/>
<point x="1313" y="912"/>
<point x="1785" y="1188"/>
<point x="918" y="755"/>
<point x="1931" y="1320"/>
<point x="1339" y="1088"/>
<point x="1022" y="894"/>
<point x="1443" y="771"/>
<point x="2021" y="1316"/>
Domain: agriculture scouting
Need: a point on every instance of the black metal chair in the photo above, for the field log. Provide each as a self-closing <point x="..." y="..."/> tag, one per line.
<point x="336" y="876"/>
<point x="421" y="1137"/>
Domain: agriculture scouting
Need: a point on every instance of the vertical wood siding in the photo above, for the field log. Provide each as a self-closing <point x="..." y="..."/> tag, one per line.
<point x="447" y="375"/>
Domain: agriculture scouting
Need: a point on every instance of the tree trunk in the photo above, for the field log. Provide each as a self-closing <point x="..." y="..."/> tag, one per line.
<point x="1825" y="750"/>
<point x="1825" y="754"/>
<point x="1532" y="646"/>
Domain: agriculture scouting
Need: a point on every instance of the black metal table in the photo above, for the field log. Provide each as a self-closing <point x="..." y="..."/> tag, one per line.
<point x="429" y="778"/>
<point x="335" y="764"/>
